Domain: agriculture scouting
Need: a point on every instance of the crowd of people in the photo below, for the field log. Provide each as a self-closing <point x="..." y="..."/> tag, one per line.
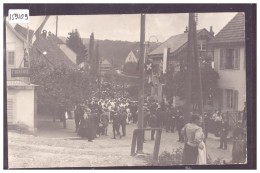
<point x="94" y="115"/>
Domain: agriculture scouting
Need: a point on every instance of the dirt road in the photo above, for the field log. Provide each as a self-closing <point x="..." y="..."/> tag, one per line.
<point x="54" y="146"/>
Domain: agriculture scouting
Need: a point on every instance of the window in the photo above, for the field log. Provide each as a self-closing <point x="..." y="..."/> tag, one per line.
<point x="229" y="58"/>
<point x="231" y="99"/>
<point x="10" y="58"/>
<point x="202" y="45"/>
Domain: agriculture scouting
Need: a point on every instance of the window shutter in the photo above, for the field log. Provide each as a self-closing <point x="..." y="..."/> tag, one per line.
<point x="235" y="100"/>
<point x="222" y="60"/>
<point x="237" y="58"/>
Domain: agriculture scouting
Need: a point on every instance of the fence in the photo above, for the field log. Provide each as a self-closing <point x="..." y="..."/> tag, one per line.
<point x="233" y="117"/>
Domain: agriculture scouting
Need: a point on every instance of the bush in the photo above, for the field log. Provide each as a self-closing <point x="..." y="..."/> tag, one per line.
<point x="175" y="158"/>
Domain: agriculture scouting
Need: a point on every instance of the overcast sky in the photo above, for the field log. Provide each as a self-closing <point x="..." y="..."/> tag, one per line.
<point x="127" y="27"/>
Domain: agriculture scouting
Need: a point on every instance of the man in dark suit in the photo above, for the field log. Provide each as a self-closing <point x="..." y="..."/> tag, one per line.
<point x="123" y="117"/>
<point x="223" y="134"/>
<point x="179" y="124"/>
<point x="153" y="124"/>
<point x="116" y="124"/>
<point x="79" y="112"/>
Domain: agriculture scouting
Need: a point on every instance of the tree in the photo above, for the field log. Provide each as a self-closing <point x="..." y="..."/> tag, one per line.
<point x="97" y="59"/>
<point x="130" y="68"/>
<point x="175" y="83"/>
<point x="75" y="43"/>
<point x="91" y="54"/>
<point x="60" y="85"/>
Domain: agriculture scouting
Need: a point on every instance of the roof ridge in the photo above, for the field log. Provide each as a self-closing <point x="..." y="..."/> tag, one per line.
<point x="232" y="31"/>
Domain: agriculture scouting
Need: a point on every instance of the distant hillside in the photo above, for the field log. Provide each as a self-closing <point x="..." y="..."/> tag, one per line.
<point x="114" y="51"/>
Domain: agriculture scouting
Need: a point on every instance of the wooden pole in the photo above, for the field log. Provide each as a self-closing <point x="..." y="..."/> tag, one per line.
<point x="197" y="73"/>
<point x="188" y="69"/>
<point x="141" y="85"/>
<point x="57" y="26"/>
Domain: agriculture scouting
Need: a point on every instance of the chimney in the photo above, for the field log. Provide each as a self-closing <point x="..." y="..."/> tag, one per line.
<point x="186" y="30"/>
<point x="211" y="31"/>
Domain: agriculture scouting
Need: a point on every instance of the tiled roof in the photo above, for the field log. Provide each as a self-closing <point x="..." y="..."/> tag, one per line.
<point x="174" y="43"/>
<point x="136" y="53"/>
<point x="15" y="32"/>
<point x="54" y="54"/>
<point x="23" y="31"/>
<point x="234" y="31"/>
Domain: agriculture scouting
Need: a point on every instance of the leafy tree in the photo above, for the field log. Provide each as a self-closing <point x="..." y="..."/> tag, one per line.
<point x="75" y="43"/>
<point x="97" y="58"/>
<point x="91" y="54"/>
<point x="175" y="83"/>
<point x="60" y="85"/>
<point x="130" y="68"/>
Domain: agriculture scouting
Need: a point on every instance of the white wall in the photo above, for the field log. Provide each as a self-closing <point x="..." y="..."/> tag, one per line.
<point x="232" y="79"/>
<point x="13" y="44"/>
<point x="25" y="108"/>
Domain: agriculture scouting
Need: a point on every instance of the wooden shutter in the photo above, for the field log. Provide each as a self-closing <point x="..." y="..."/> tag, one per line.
<point x="237" y="58"/>
<point x="222" y="59"/>
<point x="235" y="100"/>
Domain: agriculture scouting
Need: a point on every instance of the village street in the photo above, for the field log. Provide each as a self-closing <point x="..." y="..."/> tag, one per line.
<point x="54" y="146"/>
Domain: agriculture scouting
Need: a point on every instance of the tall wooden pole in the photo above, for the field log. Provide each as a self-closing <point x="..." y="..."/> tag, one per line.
<point x="57" y="26"/>
<point x="197" y="73"/>
<point x="193" y="71"/>
<point x="27" y="50"/>
<point x="188" y="69"/>
<point x="141" y="84"/>
<point x="141" y="73"/>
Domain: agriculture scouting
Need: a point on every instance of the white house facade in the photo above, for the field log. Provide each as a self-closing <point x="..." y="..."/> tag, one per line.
<point x="21" y="95"/>
<point x="230" y="63"/>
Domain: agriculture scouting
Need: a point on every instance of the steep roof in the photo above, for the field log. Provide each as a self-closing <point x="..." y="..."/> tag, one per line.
<point x="234" y="31"/>
<point x="54" y="54"/>
<point x="15" y="32"/>
<point x="136" y="53"/>
<point x="105" y="62"/>
<point x="23" y="31"/>
<point x="174" y="43"/>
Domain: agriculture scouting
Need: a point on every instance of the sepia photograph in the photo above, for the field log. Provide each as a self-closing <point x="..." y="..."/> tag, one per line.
<point x="142" y="89"/>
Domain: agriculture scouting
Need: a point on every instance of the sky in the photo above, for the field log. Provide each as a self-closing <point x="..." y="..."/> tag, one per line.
<point x="126" y="27"/>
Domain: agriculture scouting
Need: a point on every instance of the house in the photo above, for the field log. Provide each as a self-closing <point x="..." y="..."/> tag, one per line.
<point x="45" y="47"/>
<point x="131" y="61"/>
<point x="105" y="66"/>
<point x="66" y="50"/>
<point x="70" y="53"/>
<point x="21" y="94"/>
<point x="230" y="62"/>
<point x="176" y="48"/>
<point x="133" y="57"/>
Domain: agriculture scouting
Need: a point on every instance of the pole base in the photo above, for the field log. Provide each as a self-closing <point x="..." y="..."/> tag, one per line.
<point x="139" y="152"/>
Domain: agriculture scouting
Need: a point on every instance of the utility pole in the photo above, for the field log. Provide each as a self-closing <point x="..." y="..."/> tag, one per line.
<point x="57" y="26"/>
<point x="141" y="85"/>
<point x="27" y="51"/>
<point x="193" y="71"/>
<point x="188" y="68"/>
<point x="197" y="71"/>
